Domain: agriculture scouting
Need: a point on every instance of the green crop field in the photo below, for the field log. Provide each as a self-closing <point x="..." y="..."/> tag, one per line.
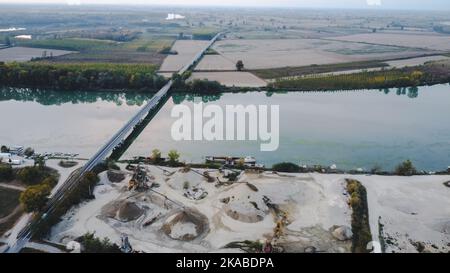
<point x="73" y="44"/>
<point x="9" y="200"/>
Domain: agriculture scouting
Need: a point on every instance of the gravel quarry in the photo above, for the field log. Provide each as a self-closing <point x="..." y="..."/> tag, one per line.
<point x="314" y="209"/>
<point x="165" y="220"/>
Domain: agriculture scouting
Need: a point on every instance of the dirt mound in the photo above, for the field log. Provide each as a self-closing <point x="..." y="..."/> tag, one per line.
<point x="246" y="208"/>
<point x="115" y="176"/>
<point x="249" y="214"/>
<point x="342" y="233"/>
<point x="444" y="227"/>
<point x="110" y="209"/>
<point x="67" y="164"/>
<point x="186" y="225"/>
<point x="129" y="211"/>
<point x="155" y="199"/>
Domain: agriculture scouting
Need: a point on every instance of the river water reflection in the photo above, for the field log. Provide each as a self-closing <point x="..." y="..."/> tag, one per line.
<point x="355" y="129"/>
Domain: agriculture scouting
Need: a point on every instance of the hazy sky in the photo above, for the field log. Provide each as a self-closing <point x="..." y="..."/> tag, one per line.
<point x="394" y="4"/>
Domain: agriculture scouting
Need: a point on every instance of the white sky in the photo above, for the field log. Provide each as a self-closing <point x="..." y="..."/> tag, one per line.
<point x="397" y="4"/>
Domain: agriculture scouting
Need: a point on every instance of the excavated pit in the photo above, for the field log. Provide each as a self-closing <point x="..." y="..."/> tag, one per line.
<point x="186" y="225"/>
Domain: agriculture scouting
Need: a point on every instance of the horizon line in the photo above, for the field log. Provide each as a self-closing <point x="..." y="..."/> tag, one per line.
<point x="371" y="8"/>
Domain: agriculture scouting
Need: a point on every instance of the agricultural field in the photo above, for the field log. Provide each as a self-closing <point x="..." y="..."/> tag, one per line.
<point x="416" y="61"/>
<point x="73" y="44"/>
<point x="214" y="63"/>
<point x="231" y="79"/>
<point x="286" y="72"/>
<point x="121" y="35"/>
<point x="9" y="208"/>
<point x="9" y="200"/>
<point x="346" y="68"/>
<point x="428" y="42"/>
<point x="263" y="54"/>
<point x="24" y="54"/>
<point x="143" y="50"/>
<point x="183" y="52"/>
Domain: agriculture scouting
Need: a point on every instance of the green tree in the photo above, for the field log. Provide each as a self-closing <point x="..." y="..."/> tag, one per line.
<point x="287" y="167"/>
<point x="29" y="152"/>
<point x="91" y="244"/>
<point x="174" y="156"/>
<point x="239" y="65"/>
<point x="84" y="189"/>
<point x="406" y="169"/>
<point x="39" y="162"/>
<point x="35" y="197"/>
<point x="51" y="181"/>
<point x="156" y="155"/>
<point x="4" y="149"/>
<point x="177" y="80"/>
<point x="30" y="175"/>
<point x="6" y="173"/>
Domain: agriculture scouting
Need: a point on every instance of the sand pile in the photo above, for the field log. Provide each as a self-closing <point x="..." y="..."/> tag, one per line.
<point x="186" y="225"/>
<point x="67" y="164"/>
<point x="115" y="176"/>
<point x="150" y="198"/>
<point x="444" y="227"/>
<point x="122" y="210"/>
<point x="182" y="180"/>
<point x="110" y="209"/>
<point x="246" y="205"/>
<point x="129" y="211"/>
<point x="245" y="212"/>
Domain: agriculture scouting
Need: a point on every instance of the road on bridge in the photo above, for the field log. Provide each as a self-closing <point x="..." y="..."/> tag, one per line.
<point x="26" y="233"/>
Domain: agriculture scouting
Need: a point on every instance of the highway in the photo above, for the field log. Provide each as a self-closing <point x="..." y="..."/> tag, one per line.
<point x="24" y="236"/>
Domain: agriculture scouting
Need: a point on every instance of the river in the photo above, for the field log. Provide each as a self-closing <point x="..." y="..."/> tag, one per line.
<point x="352" y="129"/>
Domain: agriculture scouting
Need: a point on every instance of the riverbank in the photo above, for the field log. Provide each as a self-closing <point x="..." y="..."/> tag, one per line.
<point x="76" y="76"/>
<point x="405" y="168"/>
<point x="139" y="77"/>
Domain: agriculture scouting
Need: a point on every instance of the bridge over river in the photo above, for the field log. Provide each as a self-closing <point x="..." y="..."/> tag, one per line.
<point x="27" y="228"/>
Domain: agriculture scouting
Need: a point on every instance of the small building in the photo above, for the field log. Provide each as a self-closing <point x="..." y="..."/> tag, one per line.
<point x="16" y="150"/>
<point x="16" y="162"/>
<point x="24" y="37"/>
<point x="5" y="156"/>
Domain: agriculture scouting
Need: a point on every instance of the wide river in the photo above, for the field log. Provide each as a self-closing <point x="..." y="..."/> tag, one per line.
<point x="355" y="129"/>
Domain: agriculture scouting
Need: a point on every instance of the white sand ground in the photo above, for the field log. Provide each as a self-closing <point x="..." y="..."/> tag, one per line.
<point x="432" y="42"/>
<point x="273" y="53"/>
<point x="309" y="204"/>
<point x="412" y="209"/>
<point x="64" y="173"/>
<point x="187" y="49"/>
<point x="24" y="54"/>
<point x="230" y="79"/>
